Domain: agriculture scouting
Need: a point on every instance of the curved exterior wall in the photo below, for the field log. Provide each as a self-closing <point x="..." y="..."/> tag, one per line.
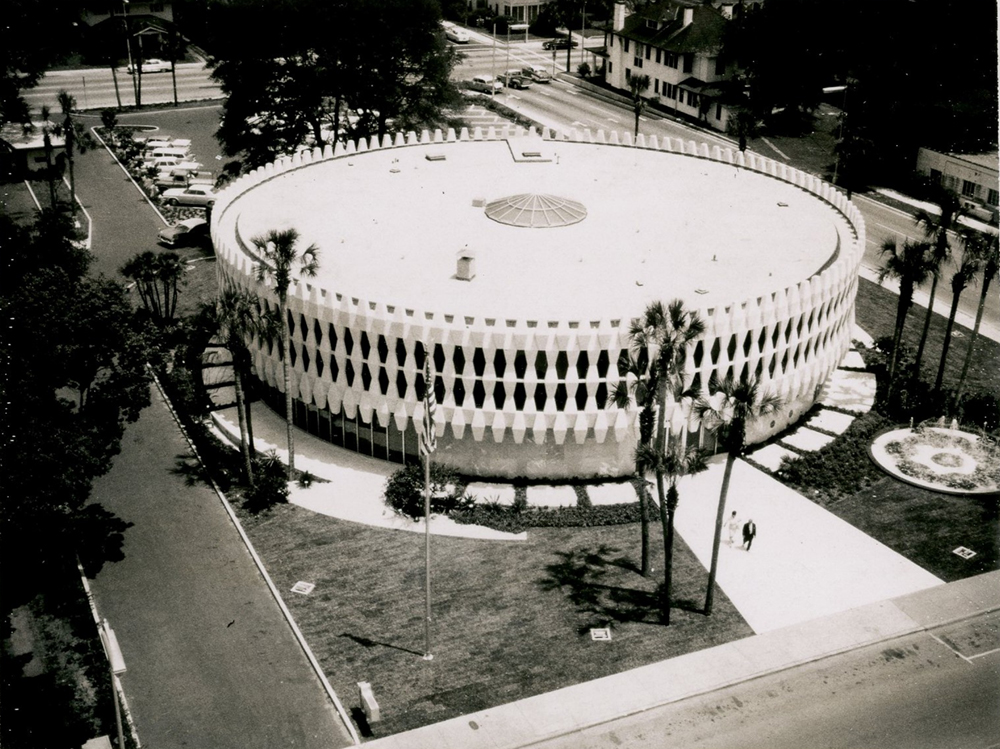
<point x="529" y="397"/>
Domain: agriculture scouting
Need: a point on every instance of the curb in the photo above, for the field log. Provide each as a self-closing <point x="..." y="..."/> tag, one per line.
<point x="352" y="732"/>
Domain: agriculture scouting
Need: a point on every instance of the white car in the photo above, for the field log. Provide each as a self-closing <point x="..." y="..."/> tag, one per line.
<point x="152" y="65"/>
<point x="198" y="195"/>
<point x="456" y="34"/>
<point x="485" y="84"/>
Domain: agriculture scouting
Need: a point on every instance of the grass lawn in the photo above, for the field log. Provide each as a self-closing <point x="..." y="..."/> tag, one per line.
<point x="511" y="619"/>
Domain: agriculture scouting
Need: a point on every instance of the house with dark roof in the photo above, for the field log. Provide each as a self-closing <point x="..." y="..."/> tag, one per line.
<point x="678" y="44"/>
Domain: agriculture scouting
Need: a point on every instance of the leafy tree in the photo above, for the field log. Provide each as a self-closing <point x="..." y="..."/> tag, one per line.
<point x="987" y="249"/>
<point x="968" y="269"/>
<point x="271" y="488"/>
<point x="279" y="255"/>
<point x="912" y="266"/>
<point x="637" y="86"/>
<point x="238" y="319"/>
<point x="744" y="124"/>
<point x="936" y="228"/>
<point x="639" y="390"/>
<point x="730" y="409"/>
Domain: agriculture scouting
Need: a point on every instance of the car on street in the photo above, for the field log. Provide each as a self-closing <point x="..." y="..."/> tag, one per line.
<point x="559" y="43"/>
<point x="198" y="195"/>
<point x="485" y="84"/>
<point x="191" y="232"/>
<point x="537" y="73"/>
<point x="152" y="65"/>
<point x="456" y="34"/>
<point x="514" y="79"/>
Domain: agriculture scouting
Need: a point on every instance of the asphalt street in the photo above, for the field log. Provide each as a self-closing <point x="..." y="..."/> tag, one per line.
<point x="933" y="690"/>
<point x="212" y="663"/>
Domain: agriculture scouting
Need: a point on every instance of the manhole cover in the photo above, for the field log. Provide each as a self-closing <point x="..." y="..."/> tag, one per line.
<point x="303" y="588"/>
<point x="600" y="633"/>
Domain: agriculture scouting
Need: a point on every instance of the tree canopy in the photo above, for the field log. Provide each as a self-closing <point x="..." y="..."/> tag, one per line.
<point x="309" y="71"/>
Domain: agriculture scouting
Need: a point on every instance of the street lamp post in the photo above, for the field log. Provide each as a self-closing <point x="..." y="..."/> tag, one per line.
<point x="117" y="665"/>
<point x="493" y="62"/>
<point x="583" y="34"/>
<point x="128" y="48"/>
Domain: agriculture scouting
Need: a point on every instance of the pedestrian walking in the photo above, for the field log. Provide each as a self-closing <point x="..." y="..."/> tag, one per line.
<point x="749" y="533"/>
<point x="734" y="527"/>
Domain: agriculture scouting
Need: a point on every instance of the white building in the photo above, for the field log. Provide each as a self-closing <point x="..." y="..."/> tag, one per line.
<point x="971" y="176"/>
<point x="515" y="263"/>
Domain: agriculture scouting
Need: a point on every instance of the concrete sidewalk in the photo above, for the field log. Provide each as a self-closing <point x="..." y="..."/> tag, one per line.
<point x="574" y="708"/>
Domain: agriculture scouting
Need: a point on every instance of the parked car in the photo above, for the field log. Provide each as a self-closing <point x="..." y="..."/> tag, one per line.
<point x="181" y="177"/>
<point x="456" y="34"/>
<point x="199" y="195"/>
<point x="561" y="42"/>
<point x="485" y="83"/>
<point x="152" y="65"/>
<point x="537" y="73"/>
<point x="191" y="232"/>
<point x="514" y="79"/>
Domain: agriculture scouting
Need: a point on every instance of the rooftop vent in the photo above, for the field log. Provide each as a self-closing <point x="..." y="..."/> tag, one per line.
<point x="536" y="211"/>
<point x="466" y="269"/>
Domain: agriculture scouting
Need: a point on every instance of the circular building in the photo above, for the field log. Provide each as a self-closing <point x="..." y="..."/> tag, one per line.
<point x="516" y="262"/>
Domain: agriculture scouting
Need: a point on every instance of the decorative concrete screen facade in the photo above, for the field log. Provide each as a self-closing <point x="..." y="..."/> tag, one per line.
<point x="516" y="261"/>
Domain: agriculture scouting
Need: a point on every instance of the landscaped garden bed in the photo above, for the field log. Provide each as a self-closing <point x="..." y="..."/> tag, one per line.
<point x="944" y="460"/>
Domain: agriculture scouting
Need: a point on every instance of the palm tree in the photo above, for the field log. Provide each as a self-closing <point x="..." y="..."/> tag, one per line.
<point x="911" y="265"/>
<point x="637" y="86"/>
<point x="665" y="333"/>
<point x="156" y="276"/>
<point x="639" y="389"/>
<point x="76" y="139"/>
<point x="235" y="313"/>
<point x="965" y="274"/>
<point x="675" y="461"/>
<point x="50" y="169"/>
<point x="936" y="228"/>
<point x="987" y="248"/>
<point x="729" y="410"/>
<point x="278" y="256"/>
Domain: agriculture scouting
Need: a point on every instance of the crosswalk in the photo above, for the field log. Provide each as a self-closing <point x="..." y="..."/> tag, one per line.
<point x="484" y="59"/>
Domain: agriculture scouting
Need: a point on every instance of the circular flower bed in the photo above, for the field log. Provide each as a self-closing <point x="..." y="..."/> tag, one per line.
<point x="944" y="460"/>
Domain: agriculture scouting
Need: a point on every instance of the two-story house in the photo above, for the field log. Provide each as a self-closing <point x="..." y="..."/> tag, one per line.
<point x="678" y="44"/>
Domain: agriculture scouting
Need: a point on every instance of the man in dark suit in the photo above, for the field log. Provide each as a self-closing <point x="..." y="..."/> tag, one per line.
<point x="749" y="532"/>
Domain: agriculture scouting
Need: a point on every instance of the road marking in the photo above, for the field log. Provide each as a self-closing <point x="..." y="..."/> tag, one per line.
<point x="894" y="231"/>
<point x="643" y="118"/>
<point x="964" y="658"/>
<point x="988" y="652"/>
<point x="544" y="93"/>
<point x="572" y="92"/>
<point x="775" y="148"/>
<point x="612" y="118"/>
<point x="577" y="123"/>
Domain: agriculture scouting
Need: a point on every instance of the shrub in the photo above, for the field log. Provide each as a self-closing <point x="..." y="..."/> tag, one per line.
<point x="271" y="486"/>
<point x="404" y="491"/>
<point x="513" y="520"/>
<point x="981" y="410"/>
<point x="583" y="69"/>
<point x="841" y="468"/>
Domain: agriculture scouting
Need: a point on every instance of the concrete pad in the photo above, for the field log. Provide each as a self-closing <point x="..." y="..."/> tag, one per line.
<point x="851" y="391"/>
<point x="954" y="601"/>
<point x="483" y="492"/>
<point x="805" y="562"/>
<point x="831" y="421"/>
<point x="612" y="493"/>
<point x="807" y="439"/>
<point x="771" y="455"/>
<point x="551" y="496"/>
<point x="853" y="360"/>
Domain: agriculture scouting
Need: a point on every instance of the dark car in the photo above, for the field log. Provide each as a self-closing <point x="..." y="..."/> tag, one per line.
<point x="191" y="232"/>
<point x="559" y="43"/>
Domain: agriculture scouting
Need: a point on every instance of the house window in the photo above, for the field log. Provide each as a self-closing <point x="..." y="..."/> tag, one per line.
<point x="628" y="74"/>
<point x="688" y="62"/>
<point x="670" y="59"/>
<point x="650" y="24"/>
<point x="611" y="41"/>
<point x="656" y="85"/>
<point x="649" y="51"/>
<point x="668" y="90"/>
<point x="637" y="62"/>
<point x="936" y="176"/>
<point x="969" y="188"/>
<point x="625" y="43"/>
<point x="611" y="67"/>
<point x="992" y="197"/>
<point x="659" y="54"/>
<point x="718" y="111"/>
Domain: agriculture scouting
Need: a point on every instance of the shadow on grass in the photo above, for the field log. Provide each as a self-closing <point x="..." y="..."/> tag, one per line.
<point x="368" y="643"/>
<point x="582" y="576"/>
<point x="187" y="466"/>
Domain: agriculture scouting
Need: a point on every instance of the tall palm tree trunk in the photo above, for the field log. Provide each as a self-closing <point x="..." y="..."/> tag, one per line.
<point x="287" y="346"/>
<point x="241" y="412"/>
<point x="927" y="326"/>
<point x="902" y="309"/>
<point x="667" y="511"/>
<point x="644" y="524"/>
<point x="972" y="339"/>
<point x="659" y="440"/>
<point x="719" y="517"/>
<point x="947" y="339"/>
<point x="114" y="77"/>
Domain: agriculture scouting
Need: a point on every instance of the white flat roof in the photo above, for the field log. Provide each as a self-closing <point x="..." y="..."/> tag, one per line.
<point x="391" y="223"/>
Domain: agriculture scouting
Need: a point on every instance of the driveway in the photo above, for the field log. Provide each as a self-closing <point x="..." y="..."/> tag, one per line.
<point x="212" y="662"/>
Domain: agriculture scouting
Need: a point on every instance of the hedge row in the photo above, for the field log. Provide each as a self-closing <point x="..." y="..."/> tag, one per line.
<point x="514" y="520"/>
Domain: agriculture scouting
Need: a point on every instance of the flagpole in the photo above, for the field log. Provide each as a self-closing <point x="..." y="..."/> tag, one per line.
<point x="427" y="556"/>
